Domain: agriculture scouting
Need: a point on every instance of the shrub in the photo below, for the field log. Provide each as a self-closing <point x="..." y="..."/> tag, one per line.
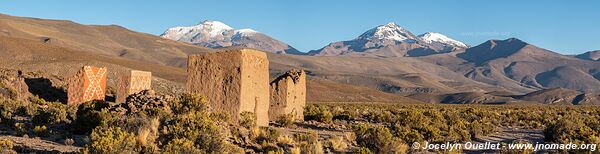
<point x="337" y="144"/>
<point x="269" y="135"/>
<point x="286" y="120"/>
<point x="377" y="138"/>
<point x="206" y="134"/>
<point x="40" y="131"/>
<point x="90" y="115"/>
<point x="12" y="92"/>
<point x="311" y="144"/>
<point x="285" y="140"/>
<point x="318" y="113"/>
<point x="7" y="111"/>
<point x="407" y="134"/>
<point x="20" y="129"/>
<point x="189" y="102"/>
<point x="54" y="113"/>
<point x="362" y="150"/>
<point x="111" y="140"/>
<point x="181" y="145"/>
<point x="5" y="145"/>
<point x="247" y="119"/>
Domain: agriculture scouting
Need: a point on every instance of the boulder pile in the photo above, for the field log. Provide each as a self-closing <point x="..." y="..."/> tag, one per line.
<point x="142" y="101"/>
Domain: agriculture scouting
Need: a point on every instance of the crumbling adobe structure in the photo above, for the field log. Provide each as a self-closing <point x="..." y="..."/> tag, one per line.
<point x="133" y="82"/>
<point x="288" y="95"/>
<point x="87" y="85"/>
<point x="233" y="81"/>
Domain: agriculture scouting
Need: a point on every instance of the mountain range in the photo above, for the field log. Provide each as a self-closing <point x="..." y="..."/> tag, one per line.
<point x="215" y="34"/>
<point x="391" y="40"/>
<point x="384" y="64"/>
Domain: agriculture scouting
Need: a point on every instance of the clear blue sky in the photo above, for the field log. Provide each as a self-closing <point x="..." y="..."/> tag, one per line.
<point x="563" y="26"/>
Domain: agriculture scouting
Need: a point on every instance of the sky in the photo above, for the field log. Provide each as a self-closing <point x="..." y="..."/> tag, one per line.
<point x="568" y="27"/>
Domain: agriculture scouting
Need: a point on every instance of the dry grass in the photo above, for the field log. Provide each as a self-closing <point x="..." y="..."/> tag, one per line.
<point x="337" y="143"/>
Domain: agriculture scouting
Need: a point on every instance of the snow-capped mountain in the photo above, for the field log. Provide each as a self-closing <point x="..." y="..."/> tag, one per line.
<point x="388" y="32"/>
<point x="392" y="40"/>
<point x="215" y="34"/>
<point x="432" y="37"/>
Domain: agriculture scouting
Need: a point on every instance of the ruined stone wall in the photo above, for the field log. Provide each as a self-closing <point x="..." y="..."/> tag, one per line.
<point x="288" y="95"/>
<point x="233" y="81"/>
<point x="255" y="87"/>
<point x="87" y="85"/>
<point x="132" y="82"/>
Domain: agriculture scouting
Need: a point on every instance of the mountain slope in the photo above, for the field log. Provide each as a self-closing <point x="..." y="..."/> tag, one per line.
<point x="591" y="55"/>
<point x="391" y="40"/>
<point x="59" y="48"/>
<point x="561" y="96"/>
<point x="515" y="64"/>
<point x="215" y="34"/>
<point x="107" y="40"/>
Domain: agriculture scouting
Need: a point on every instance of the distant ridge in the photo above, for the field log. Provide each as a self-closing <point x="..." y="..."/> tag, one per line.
<point x="215" y="34"/>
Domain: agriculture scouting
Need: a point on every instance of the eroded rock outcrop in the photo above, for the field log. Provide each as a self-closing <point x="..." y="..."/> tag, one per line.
<point x="233" y="81"/>
<point x="288" y="95"/>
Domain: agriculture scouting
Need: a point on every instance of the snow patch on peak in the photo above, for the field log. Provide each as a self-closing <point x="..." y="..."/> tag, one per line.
<point x="431" y="37"/>
<point x="392" y="24"/>
<point x="212" y="28"/>
<point x="215" y="25"/>
<point x="389" y="31"/>
<point x="246" y="31"/>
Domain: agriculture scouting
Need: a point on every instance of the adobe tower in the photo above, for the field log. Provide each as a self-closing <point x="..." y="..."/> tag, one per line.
<point x="233" y="81"/>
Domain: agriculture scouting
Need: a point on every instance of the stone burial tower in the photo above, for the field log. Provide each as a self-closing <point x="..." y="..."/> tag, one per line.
<point x="288" y="95"/>
<point x="87" y="85"/>
<point x="132" y="82"/>
<point x="233" y="81"/>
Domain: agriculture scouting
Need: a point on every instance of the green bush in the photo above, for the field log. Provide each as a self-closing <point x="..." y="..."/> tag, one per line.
<point x="20" y="129"/>
<point x="573" y="129"/>
<point x="5" y="145"/>
<point x="269" y="135"/>
<point x="375" y="137"/>
<point x="41" y="131"/>
<point x="54" y="113"/>
<point x="111" y="140"/>
<point x="91" y="115"/>
<point x="247" y="119"/>
<point x="310" y="143"/>
<point x="181" y="145"/>
<point x="318" y="113"/>
<point x="189" y="102"/>
<point x="200" y="128"/>
<point x="362" y="150"/>
<point x="12" y="92"/>
<point x="286" y="120"/>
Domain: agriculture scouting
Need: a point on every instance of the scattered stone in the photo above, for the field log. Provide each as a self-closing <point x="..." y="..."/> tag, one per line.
<point x="233" y="81"/>
<point x="87" y="85"/>
<point x="288" y="95"/>
<point x="141" y="101"/>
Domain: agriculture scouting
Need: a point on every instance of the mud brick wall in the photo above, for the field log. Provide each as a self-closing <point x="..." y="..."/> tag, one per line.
<point x="233" y="81"/>
<point x="87" y="85"/>
<point x="288" y="95"/>
<point x="132" y="82"/>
